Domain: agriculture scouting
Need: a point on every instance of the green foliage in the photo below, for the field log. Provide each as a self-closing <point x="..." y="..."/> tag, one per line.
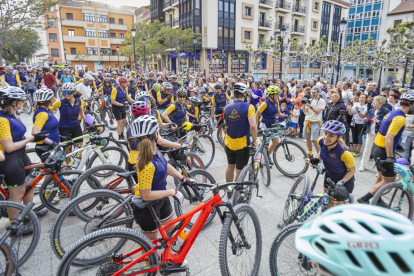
<point x="81" y="57"/>
<point x="402" y="38"/>
<point x="16" y="44"/>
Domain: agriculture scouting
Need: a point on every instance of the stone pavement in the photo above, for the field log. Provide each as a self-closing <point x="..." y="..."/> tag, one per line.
<point x="203" y="257"/>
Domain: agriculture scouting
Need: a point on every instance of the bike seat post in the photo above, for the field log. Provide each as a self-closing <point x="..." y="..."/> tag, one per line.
<point x="154" y="216"/>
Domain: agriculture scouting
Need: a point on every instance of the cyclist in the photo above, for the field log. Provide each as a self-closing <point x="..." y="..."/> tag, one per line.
<point x="119" y="96"/>
<point x="58" y="72"/>
<point x="218" y="101"/>
<point x="71" y="113"/>
<point x="96" y="82"/>
<point x="240" y="123"/>
<point x="67" y="77"/>
<point x="13" y="144"/>
<point x="133" y="75"/>
<point x="357" y="239"/>
<point x="44" y="120"/>
<point x="10" y="78"/>
<point x="268" y="110"/>
<point x="175" y="85"/>
<point x="114" y="77"/>
<point x="100" y="76"/>
<point x="338" y="161"/>
<point x="386" y="142"/>
<point x="193" y="109"/>
<point x="177" y="113"/>
<point x="154" y="91"/>
<point x="30" y="82"/>
<point x="132" y="88"/>
<point x="48" y="79"/>
<point x="149" y="83"/>
<point x="20" y="72"/>
<point x="164" y="97"/>
<point x="106" y="88"/>
<point x="152" y="169"/>
<point x="85" y="86"/>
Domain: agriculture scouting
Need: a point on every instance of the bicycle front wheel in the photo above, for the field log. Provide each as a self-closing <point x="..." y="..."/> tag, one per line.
<point x="264" y="169"/>
<point x="299" y="189"/>
<point x="237" y="258"/>
<point x="97" y="250"/>
<point x="113" y="156"/>
<point x="28" y="105"/>
<point x="221" y="133"/>
<point x="392" y="195"/>
<point x="244" y="194"/>
<point x="204" y="145"/>
<point x="290" y="159"/>
<point x="8" y="259"/>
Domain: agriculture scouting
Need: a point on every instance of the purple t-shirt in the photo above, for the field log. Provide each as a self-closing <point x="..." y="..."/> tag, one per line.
<point x="289" y="96"/>
<point x="257" y="92"/>
<point x="286" y="112"/>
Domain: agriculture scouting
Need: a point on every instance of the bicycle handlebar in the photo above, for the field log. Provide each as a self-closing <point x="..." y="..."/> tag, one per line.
<point x="223" y="186"/>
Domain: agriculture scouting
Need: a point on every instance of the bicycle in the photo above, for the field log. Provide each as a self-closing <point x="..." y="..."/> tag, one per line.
<point x="8" y="259"/>
<point x="234" y="243"/>
<point x="105" y="110"/>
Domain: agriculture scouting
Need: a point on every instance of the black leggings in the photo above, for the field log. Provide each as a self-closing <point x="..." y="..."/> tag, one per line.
<point x="356" y="131"/>
<point x="13" y="168"/>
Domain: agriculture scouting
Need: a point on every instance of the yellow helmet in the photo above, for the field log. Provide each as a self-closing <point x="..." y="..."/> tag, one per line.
<point x="273" y="90"/>
<point x="133" y="73"/>
<point x="187" y="126"/>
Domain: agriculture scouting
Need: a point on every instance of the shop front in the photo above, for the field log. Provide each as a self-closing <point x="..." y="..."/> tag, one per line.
<point x="186" y="61"/>
<point x="260" y="66"/>
<point x="239" y="62"/>
<point x="217" y="61"/>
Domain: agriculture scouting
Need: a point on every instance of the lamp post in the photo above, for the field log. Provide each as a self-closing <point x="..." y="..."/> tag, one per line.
<point x="342" y="26"/>
<point x="195" y="39"/>
<point x="102" y="54"/>
<point x="300" y="68"/>
<point x="66" y="61"/>
<point x="328" y="58"/>
<point x="145" y="63"/>
<point x="109" y="54"/>
<point x="117" y="51"/>
<point x="282" y="36"/>
<point x="274" y="60"/>
<point x="239" y="56"/>
<point x="133" y="33"/>
<point x="405" y="71"/>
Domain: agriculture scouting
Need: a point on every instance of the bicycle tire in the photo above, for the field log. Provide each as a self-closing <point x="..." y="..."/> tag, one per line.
<point x="61" y="242"/>
<point x="290" y="210"/>
<point x="27" y="245"/>
<point x="97" y="118"/>
<point x="264" y="169"/>
<point x="122" y="162"/>
<point x="244" y="195"/>
<point x="108" y="113"/>
<point x="194" y="161"/>
<point x="204" y="120"/>
<point x="28" y="107"/>
<point x="201" y="148"/>
<point x="111" y="233"/>
<point x="206" y="178"/>
<point x="8" y="263"/>
<point x="292" y="156"/>
<point x="95" y="108"/>
<point x="385" y="193"/>
<point x="277" y="245"/>
<point x="225" y="248"/>
<point x="221" y="140"/>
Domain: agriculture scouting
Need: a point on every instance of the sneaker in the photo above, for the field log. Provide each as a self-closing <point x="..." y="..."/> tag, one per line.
<point x="382" y="203"/>
<point x="362" y="201"/>
<point x="361" y="168"/>
<point x="271" y="161"/>
<point x="25" y="230"/>
<point x="357" y="154"/>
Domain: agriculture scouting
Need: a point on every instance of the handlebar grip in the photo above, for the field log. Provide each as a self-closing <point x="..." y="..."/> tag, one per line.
<point x="25" y="211"/>
<point x="330" y="182"/>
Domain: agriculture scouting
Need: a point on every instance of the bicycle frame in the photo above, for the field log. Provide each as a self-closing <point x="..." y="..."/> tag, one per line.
<point x="406" y="180"/>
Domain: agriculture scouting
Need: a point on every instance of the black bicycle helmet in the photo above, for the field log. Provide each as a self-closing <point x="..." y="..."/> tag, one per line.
<point x="218" y="86"/>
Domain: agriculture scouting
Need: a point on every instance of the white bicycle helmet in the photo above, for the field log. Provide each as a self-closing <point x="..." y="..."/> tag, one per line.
<point x="240" y="88"/>
<point x="88" y="77"/>
<point x="144" y="125"/>
<point x="167" y="86"/>
<point x="69" y="86"/>
<point x="407" y="97"/>
<point x="359" y="240"/>
<point x="141" y="95"/>
<point x="42" y="95"/>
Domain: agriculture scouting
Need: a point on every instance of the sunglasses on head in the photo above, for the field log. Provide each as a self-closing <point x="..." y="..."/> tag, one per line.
<point x="182" y="96"/>
<point x="144" y="99"/>
<point x="67" y="93"/>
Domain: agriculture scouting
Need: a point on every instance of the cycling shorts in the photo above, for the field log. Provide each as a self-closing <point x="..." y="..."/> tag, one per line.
<point x="381" y="153"/>
<point x="13" y="168"/>
<point x="119" y="112"/>
<point x="71" y="132"/>
<point x="163" y="210"/>
<point x="239" y="157"/>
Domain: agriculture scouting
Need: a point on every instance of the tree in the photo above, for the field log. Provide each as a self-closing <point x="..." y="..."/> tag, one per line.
<point x="311" y="54"/>
<point x="81" y="57"/>
<point x="402" y="38"/>
<point x="16" y="44"/>
<point x="17" y="15"/>
<point x="263" y="47"/>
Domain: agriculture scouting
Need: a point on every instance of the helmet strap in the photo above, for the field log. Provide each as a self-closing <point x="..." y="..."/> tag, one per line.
<point x="337" y="139"/>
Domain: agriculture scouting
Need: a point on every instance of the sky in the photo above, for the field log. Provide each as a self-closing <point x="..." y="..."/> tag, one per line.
<point x="135" y="3"/>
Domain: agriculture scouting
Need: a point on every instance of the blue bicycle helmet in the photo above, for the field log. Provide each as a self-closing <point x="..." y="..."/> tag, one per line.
<point x="335" y="127"/>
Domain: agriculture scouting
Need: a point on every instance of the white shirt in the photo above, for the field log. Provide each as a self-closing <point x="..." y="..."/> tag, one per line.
<point x="347" y="95"/>
<point x="311" y="115"/>
<point x="85" y="90"/>
<point x="362" y="108"/>
<point x="296" y="112"/>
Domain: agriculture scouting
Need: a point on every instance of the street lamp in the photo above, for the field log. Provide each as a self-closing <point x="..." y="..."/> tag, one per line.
<point x="195" y="39"/>
<point x="117" y="51"/>
<point x="239" y="56"/>
<point x="328" y="58"/>
<point x="342" y="27"/>
<point x="133" y="33"/>
<point x="145" y="64"/>
<point x="109" y="54"/>
<point x="282" y="36"/>
<point x="274" y="60"/>
<point x="405" y="71"/>
<point x="66" y="61"/>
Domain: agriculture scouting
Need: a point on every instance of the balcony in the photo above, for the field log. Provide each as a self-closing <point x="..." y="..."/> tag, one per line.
<point x="282" y="6"/>
<point x="73" y="23"/>
<point x="280" y="25"/>
<point x="299" y="10"/>
<point x="298" y="30"/>
<point x="116" y="41"/>
<point x="267" y="4"/>
<point x="168" y="23"/>
<point x="176" y="23"/>
<point x="118" y="27"/>
<point x="265" y="24"/>
<point x="169" y="5"/>
<point x="81" y="39"/>
<point x="97" y="58"/>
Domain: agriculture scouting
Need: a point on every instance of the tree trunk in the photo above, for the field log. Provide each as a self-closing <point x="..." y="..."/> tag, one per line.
<point x="341" y="77"/>
<point x="179" y="62"/>
<point x="385" y="75"/>
<point x="395" y="72"/>
<point x="357" y="69"/>
<point x="1" y="53"/>
<point x="410" y="75"/>
<point x="365" y="73"/>
<point x="285" y="70"/>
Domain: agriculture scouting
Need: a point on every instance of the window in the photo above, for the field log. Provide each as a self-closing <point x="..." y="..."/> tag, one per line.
<point x="102" y="18"/>
<point x="92" y="51"/>
<point x="71" y="32"/>
<point x="53" y="37"/>
<point x="351" y="16"/>
<point x="113" y="35"/>
<point x="103" y="33"/>
<point x="375" y="13"/>
<point x="51" y="8"/>
<point x="121" y="21"/>
<point x="261" y="38"/>
<point x="247" y="35"/>
<point x="90" y="32"/>
<point x="313" y="42"/>
<point x="69" y="16"/>
<point x="111" y="20"/>
<point x="374" y="28"/>
<point x="350" y="30"/>
<point x="54" y="52"/>
<point x="316" y="6"/>
<point x="248" y="11"/>
<point x="365" y="29"/>
<point x="396" y="22"/>
<point x="114" y="53"/>
<point x="73" y="51"/>
<point x="105" y="52"/>
<point x="121" y="36"/>
<point x="358" y="30"/>
<point x="51" y="22"/>
<point x="90" y="17"/>
<point x="314" y="24"/>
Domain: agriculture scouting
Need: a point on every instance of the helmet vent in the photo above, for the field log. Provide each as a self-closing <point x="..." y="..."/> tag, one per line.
<point x="393" y="230"/>
<point x="352" y="258"/>
<point x="369" y="229"/>
<point x="326" y="229"/>
<point x="376" y="262"/>
<point x="399" y="262"/>
<point x="320" y="247"/>
<point x="343" y="225"/>
<point x="330" y="241"/>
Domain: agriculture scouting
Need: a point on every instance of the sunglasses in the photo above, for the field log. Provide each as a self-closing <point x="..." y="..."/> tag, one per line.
<point x="67" y="93"/>
<point x="180" y="97"/>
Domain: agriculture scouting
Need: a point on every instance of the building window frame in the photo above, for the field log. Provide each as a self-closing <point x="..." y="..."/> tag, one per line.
<point x="73" y="51"/>
<point x="250" y="8"/>
<point x="69" y="16"/>
<point x="315" y="25"/>
<point x="103" y="33"/>
<point x="89" y="17"/>
<point x="102" y="18"/>
<point x="54" y="52"/>
<point x="316" y="6"/>
<point x="111" y="20"/>
<point x="247" y="35"/>
<point x="92" y="51"/>
<point x="54" y="37"/>
<point x="121" y="36"/>
<point x="71" y="32"/>
<point x="121" y="21"/>
<point x="90" y="32"/>
<point x="51" y="22"/>
<point x="113" y="35"/>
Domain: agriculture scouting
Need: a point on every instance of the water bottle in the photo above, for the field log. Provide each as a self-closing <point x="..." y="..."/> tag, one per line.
<point x="29" y="179"/>
<point x="178" y="243"/>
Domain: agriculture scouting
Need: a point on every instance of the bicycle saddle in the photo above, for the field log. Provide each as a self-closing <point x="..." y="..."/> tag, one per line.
<point x="126" y="174"/>
<point x="141" y="204"/>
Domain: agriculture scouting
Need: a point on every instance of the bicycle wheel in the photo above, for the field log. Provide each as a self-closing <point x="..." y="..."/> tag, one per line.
<point x="95" y="108"/>
<point x="88" y="213"/>
<point x="299" y="189"/>
<point x="290" y="159"/>
<point x="235" y="258"/>
<point x="97" y="118"/>
<point x="97" y="249"/>
<point x="53" y="197"/>
<point x="194" y="161"/>
<point x="27" y="243"/>
<point x="28" y="105"/>
<point x="109" y="119"/>
<point x="264" y="169"/>
<point x="204" y="120"/>
<point x="204" y="146"/>
<point x="192" y="200"/>
<point x="391" y="194"/>
<point x="113" y="155"/>
<point x="8" y="259"/>
<point x="284" y="259"/>
<point x="245" y="193"/>
<point x="222" y="129"/>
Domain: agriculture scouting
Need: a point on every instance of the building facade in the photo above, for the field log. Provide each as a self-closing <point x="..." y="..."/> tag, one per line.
<point x="143" y="14"/>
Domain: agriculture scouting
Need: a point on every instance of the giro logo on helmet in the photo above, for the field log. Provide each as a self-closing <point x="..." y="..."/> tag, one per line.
<point x="364" y="245"/>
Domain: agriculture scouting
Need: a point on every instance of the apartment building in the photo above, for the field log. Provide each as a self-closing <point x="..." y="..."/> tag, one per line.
<point x="94" y="29"/>
<point x="143" y="14"/>
<point x="53" y="41"/>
